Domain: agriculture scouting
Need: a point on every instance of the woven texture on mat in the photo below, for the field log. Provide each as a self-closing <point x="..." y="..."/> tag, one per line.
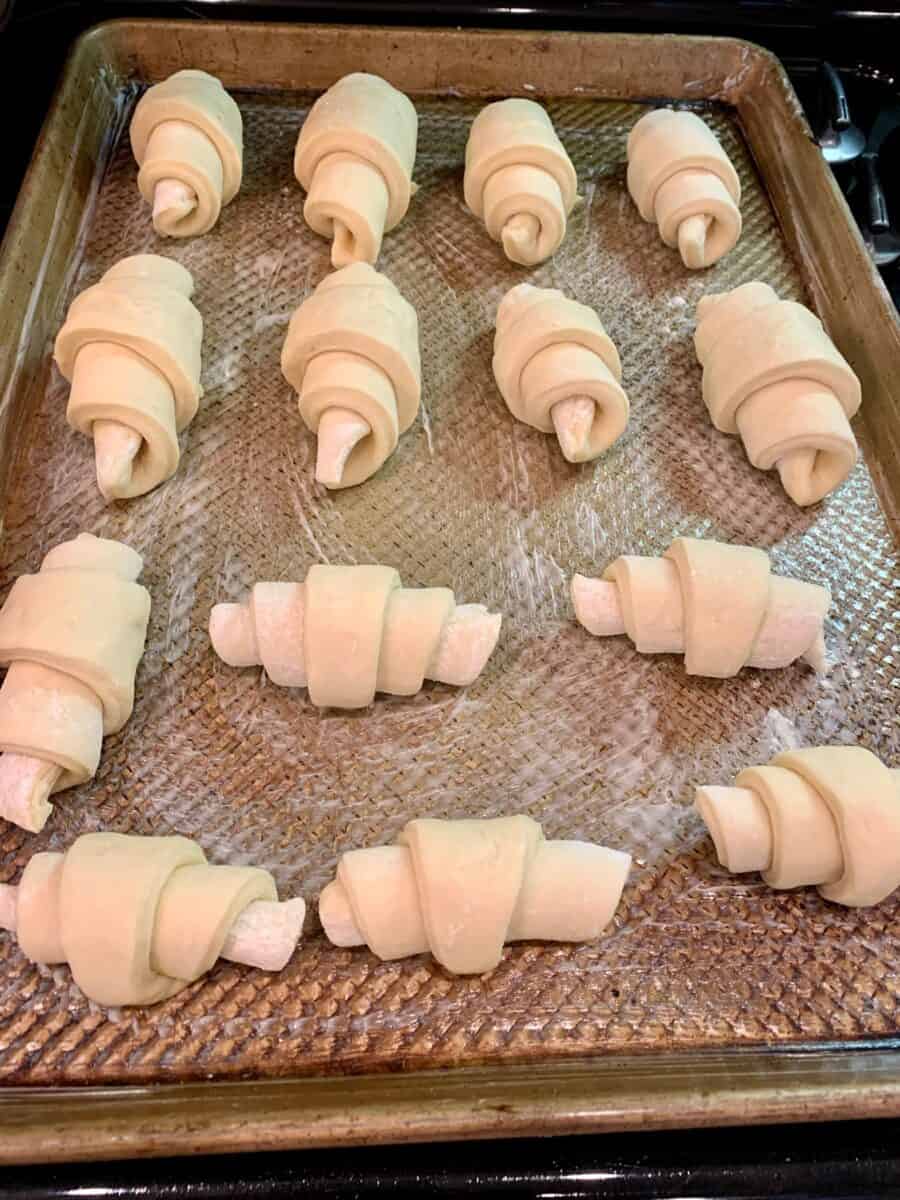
<point x="581" y="733"/>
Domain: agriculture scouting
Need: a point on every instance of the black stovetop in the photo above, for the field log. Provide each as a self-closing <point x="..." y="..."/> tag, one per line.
<point x="853" y="1161"/>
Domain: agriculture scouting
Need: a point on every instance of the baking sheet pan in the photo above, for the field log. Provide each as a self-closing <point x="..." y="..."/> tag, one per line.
<point x="741" y="1003"/>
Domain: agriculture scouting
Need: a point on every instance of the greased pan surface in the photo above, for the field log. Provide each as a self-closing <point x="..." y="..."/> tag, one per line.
<point x="585" y="735"/>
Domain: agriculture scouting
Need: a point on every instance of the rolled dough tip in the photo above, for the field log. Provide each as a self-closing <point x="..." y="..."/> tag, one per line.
<point x="266" y="934"/>
<point x="9" y="907"/>
<point x="25" y="787"/>
<point x="817" y="656"/>
<point x="520" y="239"/>
<point x="597" y="607"/>
<point x="692" y="234"/>
<point x="116" y="446"/>
<point x="172" y="202"/>
<point x="340" y="432"/>
<point x="233" y="635"/>
<point x="739" y="826"/>
<point x="573" y="420"/>
<point x="468" y="641"/>
<point x="797" y="474"/>
<point x="336" y="916"/>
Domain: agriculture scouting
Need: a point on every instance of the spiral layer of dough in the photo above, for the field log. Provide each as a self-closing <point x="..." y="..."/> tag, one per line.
<point x="136" y="918"/>
<point x="719" y="605"/>
<point x="519" y="179"/>
<point x="462" y="889"/>
<point x="130" y="347"/>
<point x="187" y="139"/>
<point x="352" y="347"/>
<point x="829" y="816"/>
<point x="355" y="157"/>
<point x="72" y="636"/>
<point x="558" y="370"/>
<point x="773" y="375"/>
<point x="300" y="634"/>
<point x="682" y="180"/>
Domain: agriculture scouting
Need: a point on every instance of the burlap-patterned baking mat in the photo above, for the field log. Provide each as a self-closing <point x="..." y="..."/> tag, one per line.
<point x="582" y="734"/>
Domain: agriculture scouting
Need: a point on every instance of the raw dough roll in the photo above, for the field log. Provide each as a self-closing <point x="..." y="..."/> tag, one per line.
<point x="352" y="354"/>
<point x="130" y="347"/>
<point x="773" y="375"/>
<point x="683" y="181"/>
<point x="349" y="632"/>
<point x="139" y="918"/>
<point x="718" y="605"/>
<point x="187" y="138"/>
<point x="519" y="179"/>
<point x="461" y="889"/>
<point x="558" y="370"/>
<point x="355" y="157"/>
<point x="828" y="816"/>
<point x="72" y="636"/>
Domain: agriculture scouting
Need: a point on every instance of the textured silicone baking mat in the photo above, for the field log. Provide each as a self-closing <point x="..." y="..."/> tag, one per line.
<point x="583" y="734"/>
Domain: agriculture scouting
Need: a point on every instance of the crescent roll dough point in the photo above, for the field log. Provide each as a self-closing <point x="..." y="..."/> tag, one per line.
<point x="682" y="180"/>
<point x="772" y="375"/>
<point x="692" y="241"/>
<point x="265" y="934"/>
<point x="718" y="605"/>
<point x="187" y="139"/>
<point x="339" y="432"/>
<point x="354" y="157"/>
<point x="519" y="179"/>
<point x="72" y="636"/>
<point x="401" y="636"/>
<point x="172" y="202"/>
<point x="828" y="816"/>
<point x="138" y="919"/>
<point x="558" y="370"/>
<point x="461" y="889"/>
<point x="130" y="347"/>
<point x="352" y="355"/>
<point x="25" y="787"/>
<point x="597" y="606"/>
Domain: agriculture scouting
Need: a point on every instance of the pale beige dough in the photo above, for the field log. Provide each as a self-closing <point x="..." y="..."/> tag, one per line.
<point x="828" y="816"/>
<point x="519" y="179"/>
<point x="72" y="636"/>
<point x="187" y="138"/>
<point x="349" y="632"/>
<point x="772" y="375"/>
<point x="717" y="604"/>
<point x="682" y="180"/>
<point x="355" y="157"/>
<point x="352" y="354"/>
<point x="139" y="918"/>
<point x="130" y="347"/>
<point x="559" y="371"/>
<point x="461" y="889"/>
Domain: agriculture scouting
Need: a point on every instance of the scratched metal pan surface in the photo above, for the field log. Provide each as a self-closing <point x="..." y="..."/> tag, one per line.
<point x="586" y="736"/>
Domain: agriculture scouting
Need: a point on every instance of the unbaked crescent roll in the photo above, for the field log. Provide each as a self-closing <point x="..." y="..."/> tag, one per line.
<point x="355" y="157"/>
<point x="187" y="138"/>
<point x="519" y="179"/>
<point x="302" y="634"/>
<point x="72" y="636"/>
<point x="461" y="889"/>
<point x="352" y="354"/>
<point x="682" y="180"/>
<point x="130" y="347"/>
<point x="558" y="370"/>
<point x="773" y="375"/>
<point x="828" y="816"/>
<point x="718" y="605"/>
<point x="139" y="918"/>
